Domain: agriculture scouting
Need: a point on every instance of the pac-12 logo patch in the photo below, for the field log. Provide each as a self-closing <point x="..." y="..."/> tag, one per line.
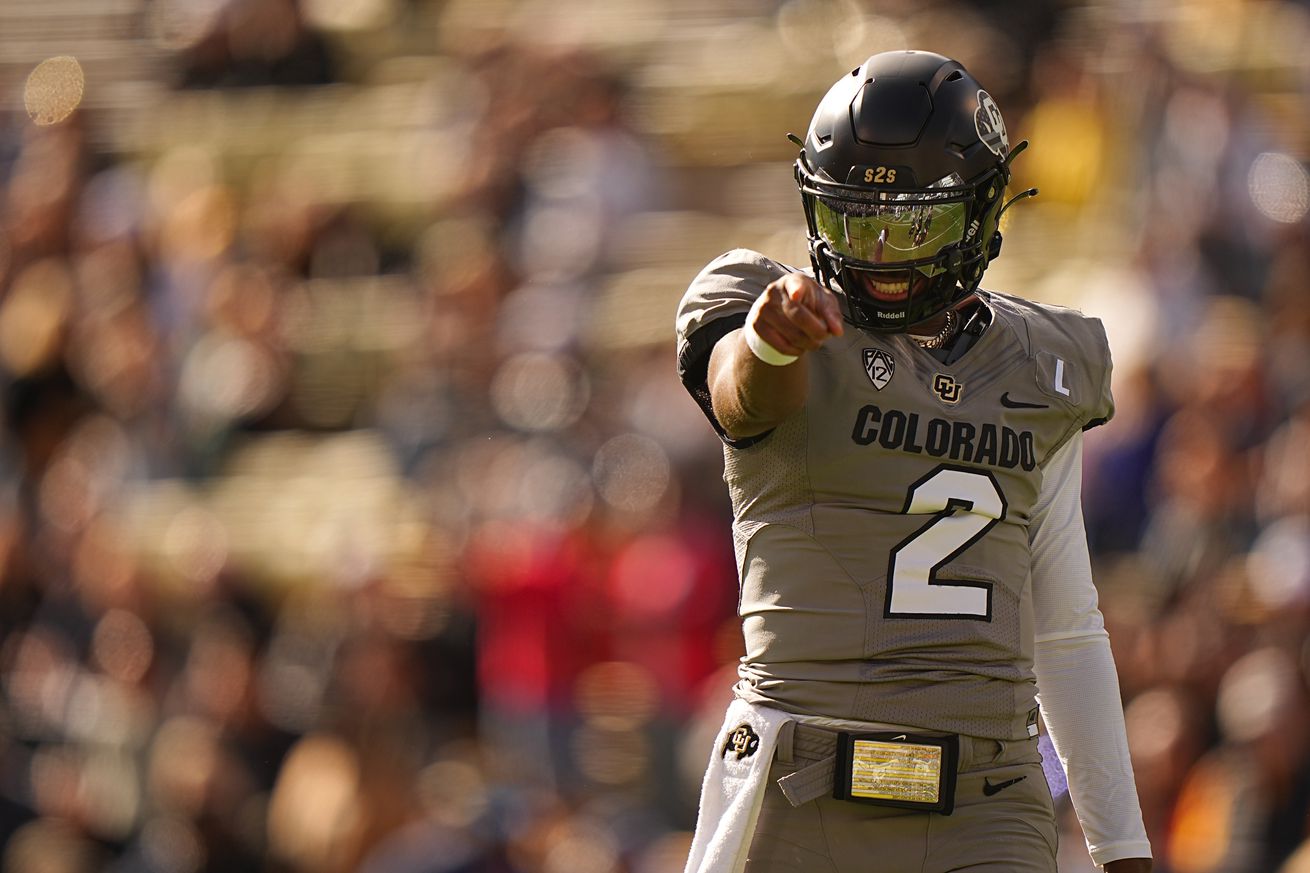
<point x="945" y="387"/>
<point x="880" y="366"/>
<point x="743" y="741"/>
<point x="991" y="127"/>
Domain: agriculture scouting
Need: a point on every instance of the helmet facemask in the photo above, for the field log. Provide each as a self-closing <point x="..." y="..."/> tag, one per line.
<point x="898" y="256"/>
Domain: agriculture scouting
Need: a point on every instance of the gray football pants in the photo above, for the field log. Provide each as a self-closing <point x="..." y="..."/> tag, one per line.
<point x="1007" y="830"/>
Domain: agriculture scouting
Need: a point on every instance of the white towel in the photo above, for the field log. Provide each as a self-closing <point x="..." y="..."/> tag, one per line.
<point x="733" y="790"/>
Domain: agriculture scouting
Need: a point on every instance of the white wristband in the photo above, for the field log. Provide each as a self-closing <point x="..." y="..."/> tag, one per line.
<point x="760" y="347"/>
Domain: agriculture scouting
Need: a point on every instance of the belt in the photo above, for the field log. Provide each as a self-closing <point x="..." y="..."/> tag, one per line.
<point x="816" y="749"/>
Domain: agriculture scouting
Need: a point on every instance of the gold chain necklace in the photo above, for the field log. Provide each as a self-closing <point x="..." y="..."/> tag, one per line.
<point x="943" y="336"/>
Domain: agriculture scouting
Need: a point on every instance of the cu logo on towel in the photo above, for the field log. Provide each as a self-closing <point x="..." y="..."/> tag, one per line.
<point x="743" y="741"/>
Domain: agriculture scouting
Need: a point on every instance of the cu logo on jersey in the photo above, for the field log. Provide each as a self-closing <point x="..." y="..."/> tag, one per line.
<point x="991" y="127"/>
<point x="946" y="388"/>
<point x="880" y="366"/>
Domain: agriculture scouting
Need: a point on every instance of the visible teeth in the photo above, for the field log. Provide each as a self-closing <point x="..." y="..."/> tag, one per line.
<point x="892" y="287"/>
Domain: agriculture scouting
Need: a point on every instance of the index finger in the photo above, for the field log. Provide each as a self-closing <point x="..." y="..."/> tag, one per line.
<point x="818" y="299"/>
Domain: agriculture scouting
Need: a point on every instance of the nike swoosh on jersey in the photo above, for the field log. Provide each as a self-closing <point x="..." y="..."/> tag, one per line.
<point x="1019" y="404"/>
<point x="990" y="788"/>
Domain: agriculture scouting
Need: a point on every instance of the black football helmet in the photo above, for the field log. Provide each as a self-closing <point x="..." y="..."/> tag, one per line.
<point x="902" y="175"/>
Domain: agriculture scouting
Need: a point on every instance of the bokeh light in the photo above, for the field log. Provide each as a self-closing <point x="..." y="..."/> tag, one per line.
<point x="195" y="546"/>
<point x="314" y="809"/>
<point x="1279" y="564"/>
<point x="293" y="676"/>
<point x="347" y="15"/>
<point x="668" y="854"/>
<point x="1156" y="722"/>
<point x="122" y="645"/>
<point x="652" y="577"/>
<point x="1280" y="187"/>
<point x="49" y="845"/>
<point x="583" y="849"/>
<point x="631" y="472"/>
<point x="184" y="760"/>
<point x="617" y="695"/>
<point x="454" y="792"/>
<point x="171" y="843"/>
<point x="539" y="392"/>
<point x="33" y="316"/>
<point x="54" y="90"/>
<point x="111" y="786"/>
<point x="1255" y="694"/>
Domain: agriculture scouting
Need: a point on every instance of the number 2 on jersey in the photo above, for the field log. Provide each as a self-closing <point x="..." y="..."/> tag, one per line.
<point x="966" y="504"/>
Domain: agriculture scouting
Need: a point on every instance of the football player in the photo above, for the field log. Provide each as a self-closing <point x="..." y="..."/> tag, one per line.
<point x="903" y="450"/>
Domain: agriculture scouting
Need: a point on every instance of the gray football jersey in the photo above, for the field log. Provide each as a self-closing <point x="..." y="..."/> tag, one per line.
<point x="881" y="533"/>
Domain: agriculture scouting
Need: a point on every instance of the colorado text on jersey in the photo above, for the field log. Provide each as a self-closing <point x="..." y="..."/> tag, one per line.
<point x="959" y="440"/>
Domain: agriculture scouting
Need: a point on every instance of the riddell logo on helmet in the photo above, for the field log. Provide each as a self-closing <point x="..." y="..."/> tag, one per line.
<point x="973" y="228"/>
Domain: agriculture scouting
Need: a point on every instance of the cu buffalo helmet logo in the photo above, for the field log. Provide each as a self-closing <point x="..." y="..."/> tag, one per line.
<point x="946" y="388"/>
<point x="991" y="127"/>
<point x="880" y="366"/>
<point x="743" y="741"/>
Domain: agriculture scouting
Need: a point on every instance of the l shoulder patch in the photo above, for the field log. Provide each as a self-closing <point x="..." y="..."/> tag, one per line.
<point x="743" y="740"/>
<point x="1060" y="377"/>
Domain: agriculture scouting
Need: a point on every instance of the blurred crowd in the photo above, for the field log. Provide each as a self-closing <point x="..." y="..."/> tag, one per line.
<point x="352" y="516"/>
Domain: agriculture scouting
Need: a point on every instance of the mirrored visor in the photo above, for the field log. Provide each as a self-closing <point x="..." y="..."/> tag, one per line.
<point x="889" y="233"/>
